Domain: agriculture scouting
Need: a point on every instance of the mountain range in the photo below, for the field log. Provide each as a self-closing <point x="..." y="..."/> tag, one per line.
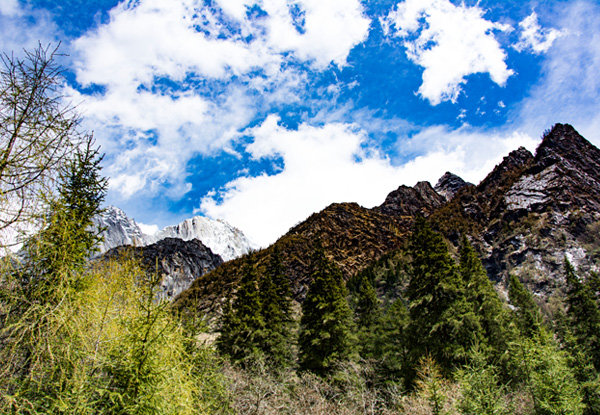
<point x="528" y="215"/>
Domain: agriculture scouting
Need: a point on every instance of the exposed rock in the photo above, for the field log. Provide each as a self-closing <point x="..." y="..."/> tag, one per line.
<point x="407" y="202"/>
<point x="449" y="184"/>
<point x="178" y="262"/>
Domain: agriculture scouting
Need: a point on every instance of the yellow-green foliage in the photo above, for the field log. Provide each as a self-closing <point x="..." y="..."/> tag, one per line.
<point x="111" y="347"/>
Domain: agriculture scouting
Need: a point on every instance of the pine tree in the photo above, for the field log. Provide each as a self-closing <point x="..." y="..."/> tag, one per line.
<point x="326" y="323"/>
<point x="486" y="303"/>
<point x="442" y="322"/>
<point x="581" y="337"/>
<point x="392" y="342"/>
<point x="61" y="249"/>
<point x="583" y="314"/>
<point x="368" y="314"/>
<point x="276" y="338"/>
<point x="242" y="322"/>
<point x="527" y="313"/>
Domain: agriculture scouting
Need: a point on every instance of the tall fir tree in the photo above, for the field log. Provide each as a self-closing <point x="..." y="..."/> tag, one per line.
<point x="527" y="313"/>
<point x="392" y="342"/>
<point x="442" y="322"/>
<point x="583" y="314"/>
<point x="326" y="324"/>
<point x="276" y="338"/>
<point x="59" y="252"/>
<point x="368" y="315"/>
<point x="487" y="305"/>
<point x="242" y="323"/>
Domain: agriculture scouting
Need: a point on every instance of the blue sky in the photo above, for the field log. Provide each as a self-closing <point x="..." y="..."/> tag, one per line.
<point x="261" y="112"/>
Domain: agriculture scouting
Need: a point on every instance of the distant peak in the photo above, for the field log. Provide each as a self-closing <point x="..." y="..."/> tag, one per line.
<point x="449" y="184"/>
<point x="562" y="140"/>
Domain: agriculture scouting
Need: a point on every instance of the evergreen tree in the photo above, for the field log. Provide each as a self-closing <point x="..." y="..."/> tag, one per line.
<point x="242" y="321"/>
<point x="486" y="303"/>
<point x="392" y="342"/>
<point x="547" y="376"/>
<point x="442" y="322"/>
<point x="527" y="313"/>
<point x="61" y="249"/>
<point x="583" y="314"/>
<point x="581" y="337"/>
<point x="368" y="315"/>
<point x="326" y="323"/>
<point x="276" y="338"/>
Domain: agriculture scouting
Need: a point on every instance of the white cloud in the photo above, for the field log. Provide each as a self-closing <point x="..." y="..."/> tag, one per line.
<point x="10" y="7"/>
<point x="533" y="37"/>
<point x="331" y="163"/>
<point x="177" y="79"/>
<point x="569" y="90"/>
<point x="450" y="42"/>
<point x="22" y="27"/>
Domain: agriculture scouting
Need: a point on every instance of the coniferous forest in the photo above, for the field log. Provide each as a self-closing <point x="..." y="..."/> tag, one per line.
<point x="422" y="330"/>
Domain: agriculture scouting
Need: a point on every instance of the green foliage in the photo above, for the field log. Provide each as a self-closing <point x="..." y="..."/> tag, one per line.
<point x="527" y="313"/>
<point x="487" y="305"/>
<point x="583" y="314"/>
<point x="276" y="337"/>
<point x="368" y="315"/>
<point x="392" y="344"/>
<point x="87" y="338"/>
<point x="548" y="378"/>
<point x="442" y="322"/>
<point x="242" y="322"/>
<point x="431" y="385"/>
<point x="481" y="392"/>
<point x="326" y="323"/>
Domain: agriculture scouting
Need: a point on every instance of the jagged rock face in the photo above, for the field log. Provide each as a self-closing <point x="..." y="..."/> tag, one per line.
<point x="219" y="236"/>
<point x="407" y="202"/>
<point x="531" y="212"/>
<point x="449" y="184"/>
<point x="119" y="230"/>
<point x="178" y="262"/>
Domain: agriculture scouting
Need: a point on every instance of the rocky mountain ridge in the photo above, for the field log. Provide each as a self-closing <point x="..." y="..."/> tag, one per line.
<point x="524" y="218"/>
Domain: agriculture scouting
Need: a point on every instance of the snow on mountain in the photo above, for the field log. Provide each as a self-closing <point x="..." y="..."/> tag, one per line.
<point x="119" y="230"/>
<point x="219" y="236"/>
<point x="223" y="239"/>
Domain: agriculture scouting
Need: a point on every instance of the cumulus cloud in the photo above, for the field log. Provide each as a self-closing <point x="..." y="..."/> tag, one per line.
<point x="173" y="80"/>
<point x="534" y="37"/>
<point x="333" y="163"/>
<point x="450" y="42"/>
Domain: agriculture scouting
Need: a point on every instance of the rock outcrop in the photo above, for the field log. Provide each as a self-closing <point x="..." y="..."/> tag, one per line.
<point x="449" y="184"/>
<point x="178" y="262"/>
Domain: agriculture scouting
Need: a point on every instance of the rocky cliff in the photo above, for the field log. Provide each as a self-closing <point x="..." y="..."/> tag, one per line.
<point x="178" y="262"/>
